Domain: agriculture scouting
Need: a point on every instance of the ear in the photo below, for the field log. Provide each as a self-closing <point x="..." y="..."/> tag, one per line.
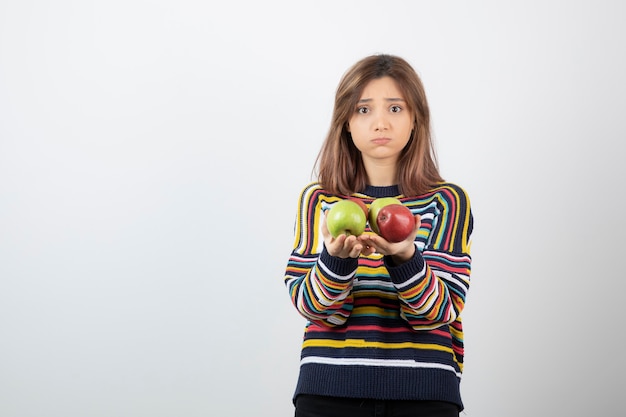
<point x="348" y="126"/>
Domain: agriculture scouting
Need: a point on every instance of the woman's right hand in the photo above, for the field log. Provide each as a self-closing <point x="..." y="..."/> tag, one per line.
<point x="342" y="246"/>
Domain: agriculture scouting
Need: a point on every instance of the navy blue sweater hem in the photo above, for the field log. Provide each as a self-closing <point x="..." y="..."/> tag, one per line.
<point x="379" y="383"/>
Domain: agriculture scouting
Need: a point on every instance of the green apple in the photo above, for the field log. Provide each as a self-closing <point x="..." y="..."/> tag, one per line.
<point x="375" y="207"/>
<point x="346" y="217"/>
<point x="361" y="204"/>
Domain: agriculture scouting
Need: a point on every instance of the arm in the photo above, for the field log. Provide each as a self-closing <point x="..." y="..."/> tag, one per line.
<point x="432" y="285"/>
<point x="319" y="284"/>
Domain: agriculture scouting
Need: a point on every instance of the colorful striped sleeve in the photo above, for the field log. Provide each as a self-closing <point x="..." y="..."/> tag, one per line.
<point x="433" y="287"/>
<point x="319" y="284"/>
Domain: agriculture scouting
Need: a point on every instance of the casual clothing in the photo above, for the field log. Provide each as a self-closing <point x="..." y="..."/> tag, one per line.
<point x="376" y="330"/>
<point x="316" y="406"/>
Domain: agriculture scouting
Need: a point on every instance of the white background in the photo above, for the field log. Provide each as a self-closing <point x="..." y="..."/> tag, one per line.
<point x="151" y="155"/>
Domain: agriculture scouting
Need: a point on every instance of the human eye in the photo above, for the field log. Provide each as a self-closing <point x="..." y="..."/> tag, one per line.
<point x="395" y="109"/>
<point x="362" y="110"/>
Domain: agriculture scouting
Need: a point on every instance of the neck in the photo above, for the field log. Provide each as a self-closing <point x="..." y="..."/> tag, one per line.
<point x="380" y="173"/>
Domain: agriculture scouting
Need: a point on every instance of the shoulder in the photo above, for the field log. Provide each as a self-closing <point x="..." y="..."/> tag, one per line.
<point x="455" y="202"/>
<point x="451" y="218"/>
<point x="450" y="187"/>
<point x="310" y="191"/>
<point x="311" y="188"/>
<point x="453" y="194"/>
<point x="313" y="195"/>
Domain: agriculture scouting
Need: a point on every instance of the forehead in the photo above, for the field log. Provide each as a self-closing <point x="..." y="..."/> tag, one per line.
<point x="385" y="87"/>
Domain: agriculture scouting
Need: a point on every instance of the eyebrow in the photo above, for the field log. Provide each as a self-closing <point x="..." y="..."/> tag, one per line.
<point x="391" y="99"/>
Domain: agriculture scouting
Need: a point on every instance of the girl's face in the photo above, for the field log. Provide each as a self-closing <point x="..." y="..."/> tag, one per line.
<point x="381" y="124"/>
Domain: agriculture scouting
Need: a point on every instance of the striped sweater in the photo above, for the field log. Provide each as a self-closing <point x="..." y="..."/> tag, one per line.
<point x="375" y="329"/>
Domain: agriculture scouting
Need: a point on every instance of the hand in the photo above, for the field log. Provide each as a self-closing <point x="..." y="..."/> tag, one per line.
<point x="400" y="251"/>
<point x="343" y="246"/>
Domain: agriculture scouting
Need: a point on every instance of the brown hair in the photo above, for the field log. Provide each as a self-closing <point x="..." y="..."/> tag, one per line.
<point x="339" y="163"/>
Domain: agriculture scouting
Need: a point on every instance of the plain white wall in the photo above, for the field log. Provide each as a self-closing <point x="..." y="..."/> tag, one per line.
<point x="151" y="153"/>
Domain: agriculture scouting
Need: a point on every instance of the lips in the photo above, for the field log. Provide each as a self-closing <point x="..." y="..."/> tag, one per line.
<point x="381" y="141"/>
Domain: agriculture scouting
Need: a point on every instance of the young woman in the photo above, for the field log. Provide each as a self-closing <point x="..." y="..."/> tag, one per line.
<point x="383" y="333"/>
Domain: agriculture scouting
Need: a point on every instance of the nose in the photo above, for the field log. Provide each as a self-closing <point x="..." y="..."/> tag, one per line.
<point x="380" y="123"/>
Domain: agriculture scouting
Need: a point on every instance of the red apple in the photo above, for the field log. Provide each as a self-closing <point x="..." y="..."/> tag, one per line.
<point x="375" y="208"/>
<point x="395" y="222"/>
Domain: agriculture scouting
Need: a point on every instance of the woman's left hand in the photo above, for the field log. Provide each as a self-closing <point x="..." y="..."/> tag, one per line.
<point x="399" y="251"/>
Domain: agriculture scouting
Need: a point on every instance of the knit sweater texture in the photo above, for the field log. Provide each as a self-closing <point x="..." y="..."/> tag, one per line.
<point x="378" y="330"/>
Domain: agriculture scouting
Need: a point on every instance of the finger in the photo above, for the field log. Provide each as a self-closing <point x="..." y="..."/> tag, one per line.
<point x="368" y="250"/>
<point x="339" y="241"/>
<point x="378" y="244"/>
<point x="350" y="240"/>
<point x="334" y="245"/>
<point x="418" y="221"/>
<point x="366" y="236"/>
<point x="356" y="250"/>
<point x="345" y="244"/>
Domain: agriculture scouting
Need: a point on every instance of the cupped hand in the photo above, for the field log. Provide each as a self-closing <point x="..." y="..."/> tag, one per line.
<point x="342" y="246"/>
<point x="399" y="251"/>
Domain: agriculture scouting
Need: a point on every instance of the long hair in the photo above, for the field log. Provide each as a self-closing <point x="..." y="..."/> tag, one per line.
<point x="339" y="164"/>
